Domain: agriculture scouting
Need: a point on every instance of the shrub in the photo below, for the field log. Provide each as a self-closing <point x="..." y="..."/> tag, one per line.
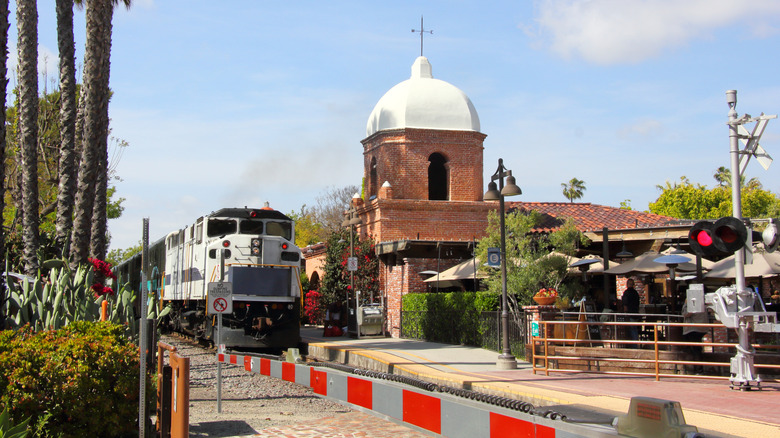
<point x="452" y="318"/>
<point x="81" y="380"/>
<point x="313" y="307"/>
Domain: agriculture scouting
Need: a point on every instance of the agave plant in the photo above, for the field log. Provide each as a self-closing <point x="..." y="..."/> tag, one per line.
<point x="65" y="296"/>
<point x="10" y="430"/>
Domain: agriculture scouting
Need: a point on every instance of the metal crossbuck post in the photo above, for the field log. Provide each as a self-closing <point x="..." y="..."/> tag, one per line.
<point x="743" y="374"/>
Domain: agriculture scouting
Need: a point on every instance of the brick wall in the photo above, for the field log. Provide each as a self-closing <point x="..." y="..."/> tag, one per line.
<point x="399" y="219"/>
<point x="401" y="157"/>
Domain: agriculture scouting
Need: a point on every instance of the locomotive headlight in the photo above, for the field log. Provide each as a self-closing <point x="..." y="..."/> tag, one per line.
<point x="255" y="251"/>
<point x="255" y="247"/>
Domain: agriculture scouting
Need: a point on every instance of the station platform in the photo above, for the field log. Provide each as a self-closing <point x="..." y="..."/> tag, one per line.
<point x="710" y="405"/>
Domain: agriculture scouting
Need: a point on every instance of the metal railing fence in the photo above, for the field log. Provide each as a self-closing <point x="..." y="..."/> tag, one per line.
<point x="547" y="356"/>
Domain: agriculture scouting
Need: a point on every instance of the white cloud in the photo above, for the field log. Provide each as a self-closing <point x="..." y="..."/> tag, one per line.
<point x="630" y="31"/>
<point x="641" y="128"/>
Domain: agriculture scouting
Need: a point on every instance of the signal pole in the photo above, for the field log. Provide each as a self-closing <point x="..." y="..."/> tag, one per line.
<point x="743" y="372"/>
<point x="736" y="188"/>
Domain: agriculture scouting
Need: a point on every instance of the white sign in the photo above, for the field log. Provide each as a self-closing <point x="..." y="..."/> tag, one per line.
<point x="220" y="297"/>
<point x="351" y="264"/>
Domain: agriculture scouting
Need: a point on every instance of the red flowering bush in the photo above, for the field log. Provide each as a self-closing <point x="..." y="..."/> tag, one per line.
<point x="312" y="308"/>
<point x="102" y="271"/>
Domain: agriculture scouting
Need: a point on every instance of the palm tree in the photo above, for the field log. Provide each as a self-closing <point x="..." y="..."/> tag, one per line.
<point x="573" y="189"/>
<point x="67" y="165"/>
<point x="89" y="229"/>
<point x="27" y="24"/>
<point x="4" y="24"/>
<point x="723" y="177"/>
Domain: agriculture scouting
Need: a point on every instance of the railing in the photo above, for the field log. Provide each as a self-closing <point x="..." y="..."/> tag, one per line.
<point x="617" y="332"/>
<point x="478" y="329"/>
<point x="658" y="354"/>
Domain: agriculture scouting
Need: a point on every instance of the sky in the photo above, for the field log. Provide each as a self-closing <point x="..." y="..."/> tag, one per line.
<point x="235" y="103"/>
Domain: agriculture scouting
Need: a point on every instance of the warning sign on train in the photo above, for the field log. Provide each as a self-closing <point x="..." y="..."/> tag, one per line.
<point x="220" y="297"/>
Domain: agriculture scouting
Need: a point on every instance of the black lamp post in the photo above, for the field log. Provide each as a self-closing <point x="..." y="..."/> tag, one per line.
<point x="506" y="361"/>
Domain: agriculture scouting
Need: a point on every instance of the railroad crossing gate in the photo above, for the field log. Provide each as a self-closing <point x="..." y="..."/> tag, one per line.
<point x="220" y="297"/>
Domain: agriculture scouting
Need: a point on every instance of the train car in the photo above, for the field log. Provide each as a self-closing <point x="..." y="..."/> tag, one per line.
<point x="261" y="262"/>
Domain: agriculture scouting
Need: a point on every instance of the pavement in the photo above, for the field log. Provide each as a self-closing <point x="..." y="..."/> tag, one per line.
<point x="710" y="405"/>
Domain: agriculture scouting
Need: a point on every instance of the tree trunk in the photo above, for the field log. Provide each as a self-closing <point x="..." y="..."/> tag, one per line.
<point x="98" y="247"/>
<point x="96" y="72"/>
<point x="99" y="244"/>
<point x="27" y="23"/>
<point x="67" y="165"/>
<point x="4" y="24"/>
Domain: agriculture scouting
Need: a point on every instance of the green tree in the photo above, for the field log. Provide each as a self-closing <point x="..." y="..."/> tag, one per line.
<point x="573" y="189"/>
<point x="27" y="24"/>
<point x="333" y="285"/>
<point x="684" y="200"/>
<point x="367" y="274"/>
<point x="48" y="180"/>
<point x="723" y="177"/>
<point x="530" y="263"/>
<point x="117" y="256"/>
<point x="307" y="230"/>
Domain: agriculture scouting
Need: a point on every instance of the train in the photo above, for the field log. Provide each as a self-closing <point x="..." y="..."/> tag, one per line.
<point x="261" y="262"/>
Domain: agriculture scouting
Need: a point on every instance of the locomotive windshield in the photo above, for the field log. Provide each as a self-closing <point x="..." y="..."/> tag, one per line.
<point x="220" y="227"/>
<point x="283" y="229"/>
<point x="251" y="227"/>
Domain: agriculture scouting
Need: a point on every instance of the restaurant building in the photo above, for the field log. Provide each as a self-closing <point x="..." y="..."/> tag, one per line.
<point x="423" y="173"/>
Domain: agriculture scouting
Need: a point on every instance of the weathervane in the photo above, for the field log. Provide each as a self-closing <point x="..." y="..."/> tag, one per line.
<point x="422" y="32"/>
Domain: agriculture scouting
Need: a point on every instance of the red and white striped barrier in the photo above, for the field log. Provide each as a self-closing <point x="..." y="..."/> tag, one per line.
<point x="435" y="412"/>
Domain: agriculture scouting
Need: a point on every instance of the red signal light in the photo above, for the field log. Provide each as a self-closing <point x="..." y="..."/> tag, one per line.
<point x="724" y="237"/>
<point x="252" y="213"/>
<point x="704" y="238"/>
<point x="225" y="243"/>
<point x="730" y="234"/>
<point x="284" y="246"/>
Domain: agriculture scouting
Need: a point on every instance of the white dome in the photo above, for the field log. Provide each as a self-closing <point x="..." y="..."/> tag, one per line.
<point x="423" y="102"/>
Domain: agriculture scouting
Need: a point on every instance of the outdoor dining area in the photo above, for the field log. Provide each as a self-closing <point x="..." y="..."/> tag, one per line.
<point x="599" y="334"/>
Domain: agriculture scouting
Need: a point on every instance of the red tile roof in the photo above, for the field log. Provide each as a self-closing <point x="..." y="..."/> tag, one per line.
<point x="589" y="217"/>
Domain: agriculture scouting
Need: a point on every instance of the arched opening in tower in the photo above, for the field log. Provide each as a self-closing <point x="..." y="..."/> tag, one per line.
<point x="372" y="179"/>
<point x="437" y="178"/>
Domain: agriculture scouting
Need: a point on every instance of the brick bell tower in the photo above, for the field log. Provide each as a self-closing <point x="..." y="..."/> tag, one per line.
<point x="423" y="183"/>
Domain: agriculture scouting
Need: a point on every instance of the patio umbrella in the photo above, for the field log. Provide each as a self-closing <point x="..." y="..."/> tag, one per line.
<point x="705" y="264"/>
<point x="595" y="264"/>
<point x="764" y="264"/>
<point x="646" y="263"/>
<point x="462" y="271"/>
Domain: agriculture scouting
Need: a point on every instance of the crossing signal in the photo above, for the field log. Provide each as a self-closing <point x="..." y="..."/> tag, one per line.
<point x="723" y="237"/>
